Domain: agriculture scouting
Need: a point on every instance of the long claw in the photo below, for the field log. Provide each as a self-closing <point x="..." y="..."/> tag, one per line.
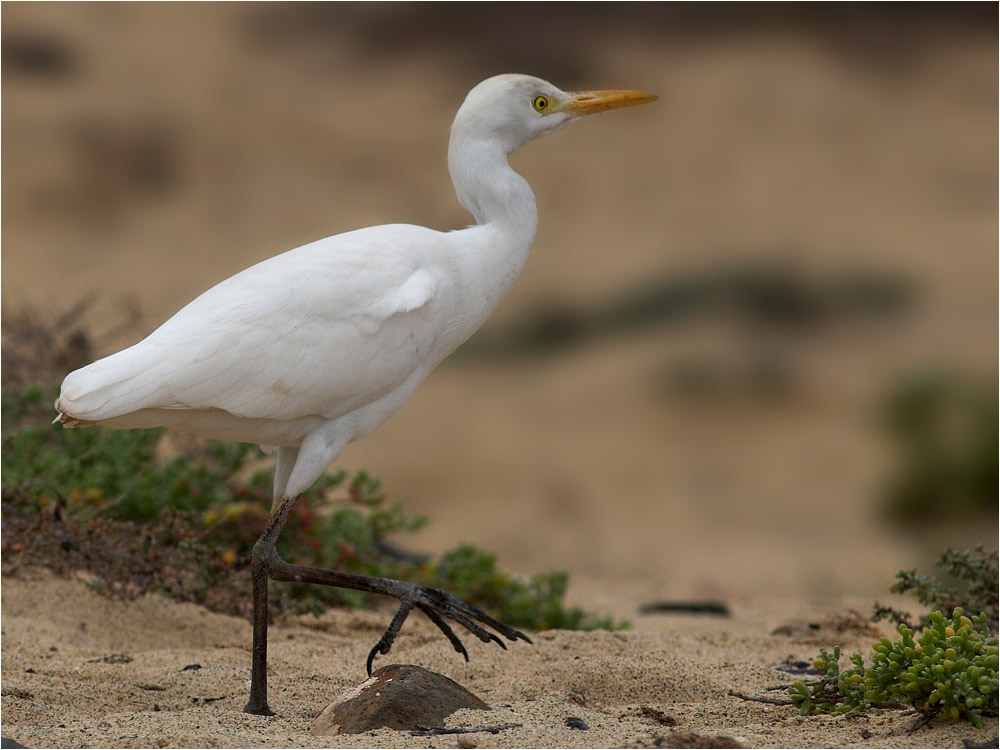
<point x="389" y="636"/>
<point x="474" y="613"/>
<point x="481" y="633"/>
<point x="446" y="629"/>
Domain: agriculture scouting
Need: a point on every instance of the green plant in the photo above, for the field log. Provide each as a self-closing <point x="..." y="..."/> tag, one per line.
<point x="971" y="584"/>
<point x="105" y="500"/>
<point x="112" y="473"/>
<point x="950" y="670"/>
<point x="769" y="295"/>
<point x="472" y="575"/>
<point x="943" y="429"/>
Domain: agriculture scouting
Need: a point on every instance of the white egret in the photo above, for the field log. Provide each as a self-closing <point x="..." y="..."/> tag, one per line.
<point x="315" y="348"/>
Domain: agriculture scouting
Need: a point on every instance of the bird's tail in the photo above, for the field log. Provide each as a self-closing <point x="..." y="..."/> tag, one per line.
<point x="106" y="389"/>
<point x="68" y="420"/>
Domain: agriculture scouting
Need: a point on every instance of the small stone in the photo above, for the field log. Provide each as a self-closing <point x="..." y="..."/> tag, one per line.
<point x="399" y="696"/>
<point x="112" y="659"/>
<point x="575" y="722"/>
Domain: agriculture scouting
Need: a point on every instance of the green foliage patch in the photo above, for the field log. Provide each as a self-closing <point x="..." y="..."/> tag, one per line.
<point x="943" y="429"/>
<point x="767" y="295"/>
<point x="950" y="670"/>
<point x="970" y="583"/>
<point x="106" y="501"/>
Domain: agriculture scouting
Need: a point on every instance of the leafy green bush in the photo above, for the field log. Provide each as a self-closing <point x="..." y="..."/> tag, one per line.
<point x="949" y="671"/>
<point x="971" y="584"/>
<point x="472" y="575"/>
<point x="104" y="500"/>
<point x="769" y="295"/>
<point x="113" y="473"/>
<point x="943" y="428"/>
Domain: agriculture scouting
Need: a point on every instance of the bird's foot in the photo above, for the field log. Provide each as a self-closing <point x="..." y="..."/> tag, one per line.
<point x="438" y="605"/>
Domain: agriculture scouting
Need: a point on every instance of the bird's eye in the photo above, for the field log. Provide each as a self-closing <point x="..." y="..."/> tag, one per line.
<point x="541" y="103"/>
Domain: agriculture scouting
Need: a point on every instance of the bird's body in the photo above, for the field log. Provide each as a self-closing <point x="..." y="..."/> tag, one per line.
<point x="340" y="330"/>
<point x="316" y="347"/>
<point x="330" y="338"/>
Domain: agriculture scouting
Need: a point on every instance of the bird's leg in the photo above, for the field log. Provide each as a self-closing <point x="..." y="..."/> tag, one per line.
<point x="261" y="561"/>
<point x="434" y="603"/>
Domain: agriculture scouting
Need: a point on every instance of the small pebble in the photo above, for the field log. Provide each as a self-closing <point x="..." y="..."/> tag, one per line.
<point x="575" y="722"/>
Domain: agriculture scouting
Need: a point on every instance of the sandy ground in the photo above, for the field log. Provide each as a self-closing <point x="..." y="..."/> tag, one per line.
<point x="58" y="692"/>
<point x="819" y="153"/>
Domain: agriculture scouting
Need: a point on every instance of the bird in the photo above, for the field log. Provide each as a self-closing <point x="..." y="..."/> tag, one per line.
<point x="316" y="347"/>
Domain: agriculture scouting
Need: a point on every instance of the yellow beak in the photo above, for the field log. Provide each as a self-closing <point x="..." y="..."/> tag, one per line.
<point x="591" y="102"/>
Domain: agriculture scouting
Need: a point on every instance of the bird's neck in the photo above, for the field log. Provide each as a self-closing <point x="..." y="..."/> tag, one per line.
<point x="491" y="191"/>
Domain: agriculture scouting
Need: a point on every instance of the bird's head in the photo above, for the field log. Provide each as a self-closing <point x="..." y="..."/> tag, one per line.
<point x="515" y="109"/>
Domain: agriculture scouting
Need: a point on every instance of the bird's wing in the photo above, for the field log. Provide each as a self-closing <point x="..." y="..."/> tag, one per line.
<point x="317" y="331"/>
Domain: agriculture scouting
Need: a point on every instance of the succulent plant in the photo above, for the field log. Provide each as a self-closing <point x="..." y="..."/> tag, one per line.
<point x="970" y="582"/>
<point x="950" y="670"/>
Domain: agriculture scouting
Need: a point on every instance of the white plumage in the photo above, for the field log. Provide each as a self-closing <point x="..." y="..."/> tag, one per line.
<point x="317" y="347"/>
<point x="311" y="335"/>
<point x="335" y="335"/>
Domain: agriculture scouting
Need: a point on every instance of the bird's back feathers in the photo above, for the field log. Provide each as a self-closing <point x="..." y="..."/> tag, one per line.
<point x="317" y="331"/>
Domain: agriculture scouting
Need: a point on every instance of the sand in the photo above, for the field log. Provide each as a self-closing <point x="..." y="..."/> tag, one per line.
<point x="667" y="674"/>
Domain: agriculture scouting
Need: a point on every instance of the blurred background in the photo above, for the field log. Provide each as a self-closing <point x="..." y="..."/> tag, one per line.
<point x="754" y="352"/>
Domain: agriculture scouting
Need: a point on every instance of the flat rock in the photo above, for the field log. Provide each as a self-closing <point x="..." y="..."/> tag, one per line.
<point x="398" y="696"/>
